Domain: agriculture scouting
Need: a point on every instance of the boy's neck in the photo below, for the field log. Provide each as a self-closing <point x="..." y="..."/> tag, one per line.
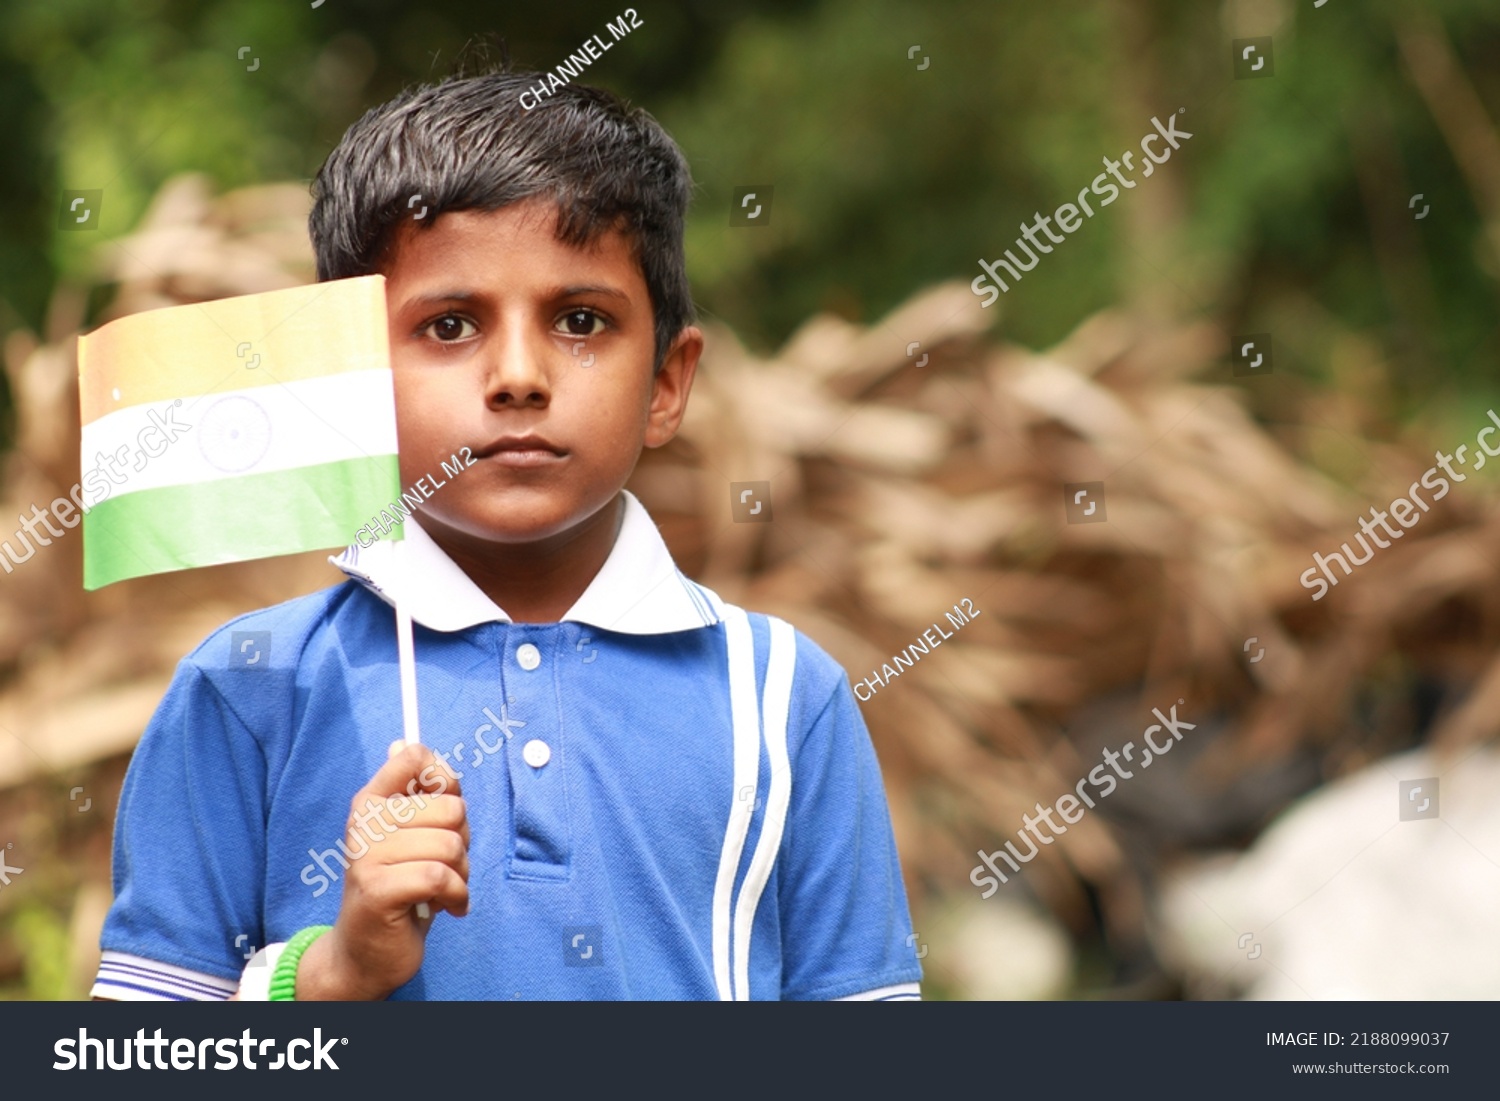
<point x="536" y="582"/>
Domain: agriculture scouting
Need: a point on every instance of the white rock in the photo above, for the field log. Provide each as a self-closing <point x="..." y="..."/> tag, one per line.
<point x="1344" y="899"/>
<point x="1000" y="950"/>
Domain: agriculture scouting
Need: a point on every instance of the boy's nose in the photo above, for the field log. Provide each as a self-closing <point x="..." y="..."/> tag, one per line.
<point x="517" y="374"/>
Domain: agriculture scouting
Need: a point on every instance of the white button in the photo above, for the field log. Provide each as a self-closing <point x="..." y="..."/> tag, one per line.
<point x="536" y="753"/>
<point x="529" y="656"/>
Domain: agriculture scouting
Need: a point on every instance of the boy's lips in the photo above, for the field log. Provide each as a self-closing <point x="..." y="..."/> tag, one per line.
<point x="521" y="451"/>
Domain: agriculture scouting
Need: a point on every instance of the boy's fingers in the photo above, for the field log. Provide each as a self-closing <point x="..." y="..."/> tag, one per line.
<point x="442" y="812"/>
<point x="404" y="885"/>
<point x="435" y="776"/>
<point x="400" y="767"/>
<point x="395" y="747"/>
<point x="414" y="768"/>
<point x="376" y="818"/>
<point x="443" y="770"/>
<point x="439" y="812"/>
<point x="414" y="846"/>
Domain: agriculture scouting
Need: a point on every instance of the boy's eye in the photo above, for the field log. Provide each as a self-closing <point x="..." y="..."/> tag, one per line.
<point x="451" y="327"/>
<point x="581" y="322"/>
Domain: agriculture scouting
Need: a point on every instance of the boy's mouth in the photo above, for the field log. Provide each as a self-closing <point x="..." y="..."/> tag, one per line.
<point x="522" y="451"/>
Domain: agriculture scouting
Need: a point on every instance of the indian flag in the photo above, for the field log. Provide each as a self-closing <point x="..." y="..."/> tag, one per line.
<point x="236" y="429"/>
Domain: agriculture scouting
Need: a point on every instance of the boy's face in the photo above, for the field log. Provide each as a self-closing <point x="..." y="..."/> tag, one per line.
<point x="536" y="356"/>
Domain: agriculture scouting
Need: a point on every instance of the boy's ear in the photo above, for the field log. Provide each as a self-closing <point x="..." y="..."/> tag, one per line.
<point x="670" y="387"/>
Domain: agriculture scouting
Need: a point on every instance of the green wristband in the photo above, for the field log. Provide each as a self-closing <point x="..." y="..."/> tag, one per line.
<point x="284" y="978"/>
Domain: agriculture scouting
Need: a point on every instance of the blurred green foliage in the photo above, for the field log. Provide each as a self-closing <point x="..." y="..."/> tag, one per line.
<point x="46" y="947"/>
<point x="887" y="176"/>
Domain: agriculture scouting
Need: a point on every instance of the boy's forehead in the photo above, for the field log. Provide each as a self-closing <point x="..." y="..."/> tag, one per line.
<point x="477" y="238"/>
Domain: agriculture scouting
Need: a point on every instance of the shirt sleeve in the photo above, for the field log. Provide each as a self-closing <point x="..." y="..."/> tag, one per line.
<point x="846" y="927"/>
<point x="189" y="852"/>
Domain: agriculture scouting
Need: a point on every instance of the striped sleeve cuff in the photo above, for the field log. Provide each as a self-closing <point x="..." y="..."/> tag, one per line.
<point x="127" y="978"/>
<point x="901" y="992"/>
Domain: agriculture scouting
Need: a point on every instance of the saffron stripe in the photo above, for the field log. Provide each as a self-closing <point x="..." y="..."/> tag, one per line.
<point x="184" y="351"/>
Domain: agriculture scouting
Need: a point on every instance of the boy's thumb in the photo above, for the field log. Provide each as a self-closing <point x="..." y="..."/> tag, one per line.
<point x="395" y="747"/>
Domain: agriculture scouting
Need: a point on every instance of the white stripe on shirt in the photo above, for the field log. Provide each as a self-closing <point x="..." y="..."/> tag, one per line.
<point x="126" y="978"/>
<point x="780" y="670"/>
<point x="901" y="992"/>
<point x="696" y="593"/>
<point x="745" y="710"/>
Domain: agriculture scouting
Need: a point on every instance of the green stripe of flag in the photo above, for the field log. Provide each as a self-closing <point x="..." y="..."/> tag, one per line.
<point x="233" y="519"/>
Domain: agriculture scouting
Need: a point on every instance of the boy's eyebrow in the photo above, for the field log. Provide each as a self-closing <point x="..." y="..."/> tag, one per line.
<point x="439" y="297"/>
<point x="593" y="288"/>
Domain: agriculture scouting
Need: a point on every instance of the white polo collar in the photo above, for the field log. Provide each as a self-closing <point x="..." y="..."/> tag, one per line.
<point x="638" y="590"/>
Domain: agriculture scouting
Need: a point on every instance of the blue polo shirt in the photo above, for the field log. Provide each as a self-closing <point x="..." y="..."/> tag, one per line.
<point x="668" y="797"/>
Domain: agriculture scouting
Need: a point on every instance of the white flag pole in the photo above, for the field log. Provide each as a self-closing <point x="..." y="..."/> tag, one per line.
<point x="407" y="657"/>
<point x="409" y="723"/>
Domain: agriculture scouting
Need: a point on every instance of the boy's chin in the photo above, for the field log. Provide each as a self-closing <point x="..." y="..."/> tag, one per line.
<point x="516" y="523"/>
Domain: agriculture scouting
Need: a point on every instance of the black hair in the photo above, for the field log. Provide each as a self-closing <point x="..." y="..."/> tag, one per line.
<point x="469" y="143"/>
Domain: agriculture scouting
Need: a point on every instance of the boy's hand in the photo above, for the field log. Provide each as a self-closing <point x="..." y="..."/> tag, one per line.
<point x="376" y="944"/>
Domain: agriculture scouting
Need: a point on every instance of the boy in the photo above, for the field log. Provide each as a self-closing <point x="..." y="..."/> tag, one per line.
<point x="650" y="793"/>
